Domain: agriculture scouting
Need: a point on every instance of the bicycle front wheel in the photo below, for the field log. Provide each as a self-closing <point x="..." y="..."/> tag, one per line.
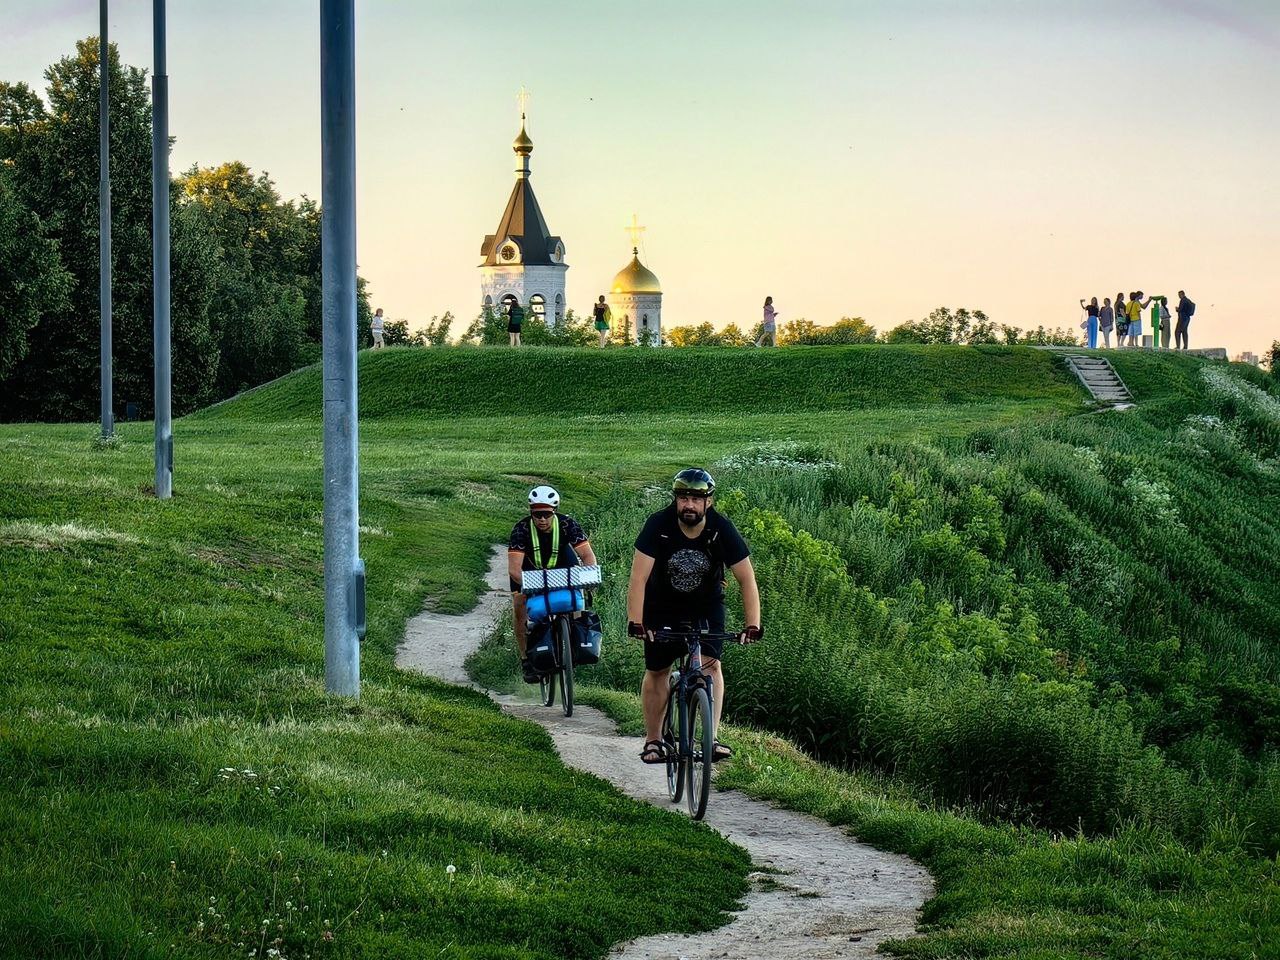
<point x="673" y="739"/>
<point x="565" y="643"/>
<point x="702" y="739"/>
<point x="548" y="688"/>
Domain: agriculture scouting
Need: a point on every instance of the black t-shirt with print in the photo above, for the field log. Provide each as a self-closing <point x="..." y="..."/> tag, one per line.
<point x="571" y="535"/>
<point x="687" y="582"/>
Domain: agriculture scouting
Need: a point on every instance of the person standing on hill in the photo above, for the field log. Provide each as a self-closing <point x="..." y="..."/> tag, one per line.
<point x="376" y="328"/>
<point x="1166" y="323"/>
<point x="1106" y="320"/>
<point x="1091" y="321"/>
<point x="543" y="540"/>
<point x="1186" y="309"/>
<point x="677" y="582"/>
<point x="1135" y="307"/>
<point x="769" y="329"/>
<point x="515" y="320"/>
<point x="603" y="317"/>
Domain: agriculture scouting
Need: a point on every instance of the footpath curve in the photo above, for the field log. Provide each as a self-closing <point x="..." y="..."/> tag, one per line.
<point x="824" y="896"/>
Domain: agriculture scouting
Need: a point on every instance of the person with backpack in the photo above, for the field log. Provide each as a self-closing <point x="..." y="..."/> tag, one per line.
<point x="543" y="540"/>
<point x="1122" y="319"/>
<point x="515" y="320"/>
<point x="677" y="578"/>
<point x="1186" y="310"/>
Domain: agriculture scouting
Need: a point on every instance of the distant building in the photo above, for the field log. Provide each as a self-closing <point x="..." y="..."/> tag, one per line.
<point x="522" y="260"/>
<point x="1248" y="356"/>
<point x="635" y="298"/>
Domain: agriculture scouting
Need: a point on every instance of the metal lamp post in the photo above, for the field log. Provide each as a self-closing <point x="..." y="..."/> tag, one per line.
<point x="160" y="317"/>
<point x="343" y="570"/>
<point x="104" y="224"/>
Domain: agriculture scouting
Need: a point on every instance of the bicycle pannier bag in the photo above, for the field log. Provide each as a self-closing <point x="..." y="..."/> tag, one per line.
<point x="587" y="635"/>
<point x="541" y="647"/>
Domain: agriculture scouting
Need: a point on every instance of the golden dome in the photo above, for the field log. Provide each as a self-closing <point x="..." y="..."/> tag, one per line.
<point x="635" y="277"/>
<point x="522" y="144"/>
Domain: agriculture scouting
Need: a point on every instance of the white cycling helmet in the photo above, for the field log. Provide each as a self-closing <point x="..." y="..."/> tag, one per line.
<point x="544" y="496"/>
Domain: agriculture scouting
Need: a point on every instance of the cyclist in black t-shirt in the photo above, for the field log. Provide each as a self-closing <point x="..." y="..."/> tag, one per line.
<point x="542" y="540"/>
<point x="677" y="579"/>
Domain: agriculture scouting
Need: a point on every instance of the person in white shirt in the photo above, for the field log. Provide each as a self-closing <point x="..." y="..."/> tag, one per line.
<point x="769" y="329"/>
<point x="375" y="327"/>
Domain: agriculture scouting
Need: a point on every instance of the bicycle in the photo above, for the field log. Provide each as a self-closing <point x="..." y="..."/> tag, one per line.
<point x="688" y="724"/>
<point x="555" y="596"/>
<point x="562" y="633"/>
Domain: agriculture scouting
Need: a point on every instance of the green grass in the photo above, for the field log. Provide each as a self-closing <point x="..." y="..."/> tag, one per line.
<point x="157" y="651"/>
<point x="411" y="382"/>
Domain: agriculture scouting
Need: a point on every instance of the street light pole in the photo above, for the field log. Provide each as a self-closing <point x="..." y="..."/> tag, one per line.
<point x="343" y="569"/>
<point x="104" y="223"/>
<point x="160" y="317"/>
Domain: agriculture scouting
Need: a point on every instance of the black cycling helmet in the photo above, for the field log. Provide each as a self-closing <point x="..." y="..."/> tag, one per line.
<point x="694" y="480"/>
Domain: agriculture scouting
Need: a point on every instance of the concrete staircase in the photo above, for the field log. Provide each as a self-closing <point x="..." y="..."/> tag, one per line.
<point x="1100" y="379"/>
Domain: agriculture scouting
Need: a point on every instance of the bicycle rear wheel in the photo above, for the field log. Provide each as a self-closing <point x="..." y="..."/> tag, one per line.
<point x="564" y="643"/>
<point x="702" y="738"/>
<point x="671" y="735"/>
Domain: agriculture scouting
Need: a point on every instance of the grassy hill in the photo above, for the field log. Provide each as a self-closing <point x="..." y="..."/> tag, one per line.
<point x="407" y="382"/>
<point x="1034" y="645"/>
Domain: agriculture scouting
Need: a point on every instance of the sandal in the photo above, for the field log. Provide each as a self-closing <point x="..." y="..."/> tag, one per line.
<point x="721" y="751"/>
<point x="658" y="750"/>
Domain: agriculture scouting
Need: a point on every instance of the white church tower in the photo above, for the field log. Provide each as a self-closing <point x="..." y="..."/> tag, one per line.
<point x="522" y="261"/>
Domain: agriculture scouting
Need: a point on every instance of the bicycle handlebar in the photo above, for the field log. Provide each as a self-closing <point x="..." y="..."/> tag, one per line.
<point x="690" y="636"/>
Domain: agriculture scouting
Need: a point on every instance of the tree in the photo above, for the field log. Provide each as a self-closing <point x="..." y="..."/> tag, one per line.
<point x="943" y="325"/>
<point x="435" y="333"/>
<point x="1272" y="359"/>
<point x="802" y="332"/>
<point x="32" y="279"/>
<point x="702" y="335"/>
<point x="52" y="155"/>
<point x="489" y="328"/>
<point x="396" y="333"/>
<point x="1056" y="337"/>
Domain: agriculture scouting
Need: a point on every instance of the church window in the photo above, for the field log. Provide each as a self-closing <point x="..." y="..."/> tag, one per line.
<point x="538" y="305"/>
<point x="507" y="301"/>
<point x="559" y="307"/>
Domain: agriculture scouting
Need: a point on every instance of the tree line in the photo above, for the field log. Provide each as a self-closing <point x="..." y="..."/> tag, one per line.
<point x="245" y="263"/>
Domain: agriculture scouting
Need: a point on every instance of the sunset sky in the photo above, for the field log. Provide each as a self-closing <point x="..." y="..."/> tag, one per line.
<point x="847" y="158"/>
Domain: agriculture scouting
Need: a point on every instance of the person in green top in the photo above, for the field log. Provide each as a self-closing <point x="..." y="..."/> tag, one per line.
<point x="515" y="320"/>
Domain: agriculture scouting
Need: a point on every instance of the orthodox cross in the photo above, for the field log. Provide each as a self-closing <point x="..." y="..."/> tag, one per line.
<point x="522" y="98"/>
<point x="635" y="230"/>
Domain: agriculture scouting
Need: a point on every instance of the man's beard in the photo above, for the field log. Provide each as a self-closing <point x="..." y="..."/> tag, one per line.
<point x="691" y="517"/>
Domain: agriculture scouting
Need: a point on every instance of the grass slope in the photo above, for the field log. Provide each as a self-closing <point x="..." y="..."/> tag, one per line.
<point x="172" y="775"/>
<point x="410" y="383"/>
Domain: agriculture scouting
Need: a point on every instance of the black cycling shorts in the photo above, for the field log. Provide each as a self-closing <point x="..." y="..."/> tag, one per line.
<point x="661" y="654"/>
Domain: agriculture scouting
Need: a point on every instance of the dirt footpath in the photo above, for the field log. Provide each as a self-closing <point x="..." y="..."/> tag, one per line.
<point x="824" y="896"/>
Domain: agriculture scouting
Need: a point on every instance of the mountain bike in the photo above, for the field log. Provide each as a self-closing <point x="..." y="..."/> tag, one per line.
<point x="688" y="724"/>
<point x="561" y="636"/>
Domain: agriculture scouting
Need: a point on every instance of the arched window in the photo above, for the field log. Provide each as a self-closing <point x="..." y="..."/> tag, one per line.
<point x="488" y="302"/>
<point x="644" y="320"/>
<point x="538" y="306"/>
<point x="507" y="301"/>
<point x="559" y="308"/>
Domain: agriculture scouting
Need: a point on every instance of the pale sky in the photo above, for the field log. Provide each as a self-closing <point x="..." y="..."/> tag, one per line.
<point x="875" y="159"/>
